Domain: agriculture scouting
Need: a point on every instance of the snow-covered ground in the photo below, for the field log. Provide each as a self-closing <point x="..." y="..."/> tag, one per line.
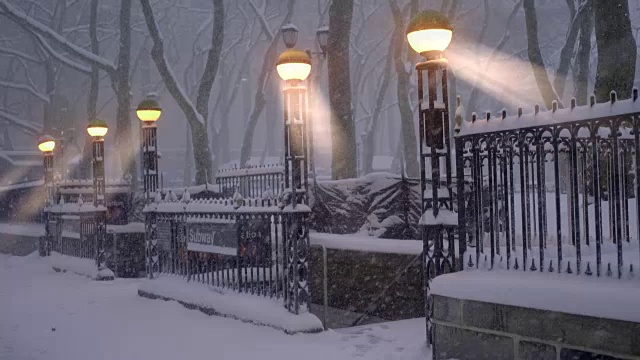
<point x="49" y="315"/>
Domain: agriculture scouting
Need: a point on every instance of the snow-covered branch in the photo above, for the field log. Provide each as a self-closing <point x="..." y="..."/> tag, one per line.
<point x="33" y="26"/>
<point x="157" y="53"/>
<point x="22" y="125"/>
<point x="61" y="58"/>
<point x="23" y="87"/>
<point x="263" y="21"/>
<point x="20" y="54"/>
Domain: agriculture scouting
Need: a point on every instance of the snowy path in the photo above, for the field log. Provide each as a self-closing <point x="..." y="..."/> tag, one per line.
<point x="107" y="320"/>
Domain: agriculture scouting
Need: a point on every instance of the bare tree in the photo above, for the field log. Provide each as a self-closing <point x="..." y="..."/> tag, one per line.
<point x="409" y="143"/>
<point x="617" y="50"/>
<point x="343" y="158"/>
<point x="538" y="66"/>
<point x="197" y="115"/>
<point x="268" y="66"/>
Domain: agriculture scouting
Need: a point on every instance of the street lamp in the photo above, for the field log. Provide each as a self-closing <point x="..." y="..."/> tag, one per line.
<point x="429" y="33"/>
<point x="322" y="37"/>
<point x="289" y="35"/>
<point x="290" y="38"/>
<point x="294" y="67"/>
<point x="149" y="112"/>
<point x="47" y="144"/>
<point x="97" y="129"/>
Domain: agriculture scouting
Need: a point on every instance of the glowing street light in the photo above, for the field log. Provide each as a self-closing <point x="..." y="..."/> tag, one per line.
<point x="47" y="144"/>
<point x="293" y="65"/>
<point x="97" y="129"/>
<point x="429" y="33"/>
<point x="149" y="110"/>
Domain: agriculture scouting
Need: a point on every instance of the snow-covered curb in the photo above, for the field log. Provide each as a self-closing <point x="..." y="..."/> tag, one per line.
<point x="247" y="308"/>
<point x="79" y="266"/>
<point x="609" y="298"/>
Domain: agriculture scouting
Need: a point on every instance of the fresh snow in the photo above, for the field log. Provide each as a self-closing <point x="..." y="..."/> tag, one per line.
<point x="445" y="217"/>
<point x="550" y="118"/>
<point x="246" y="307"/>
<point x="589" y="296"/>
<point x="366" y="243"/>
<point x="80" y="266"/>
<point x="53" y="316"/>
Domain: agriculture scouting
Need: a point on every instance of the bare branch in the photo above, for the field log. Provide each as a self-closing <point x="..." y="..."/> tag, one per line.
<point x="29" y="24"/>
<point x="23" y="87"/>
<point x="20" y="54"/>
<point x="22" y="125"/>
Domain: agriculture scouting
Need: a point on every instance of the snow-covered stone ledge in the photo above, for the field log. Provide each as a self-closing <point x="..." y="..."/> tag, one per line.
<point x="78" y="266"/>
<point x="518" y="315"/>
<point x="244" y="307"/>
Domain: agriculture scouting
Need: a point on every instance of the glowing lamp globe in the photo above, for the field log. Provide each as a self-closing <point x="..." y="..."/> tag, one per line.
<point x="46" y="144"/>
<point x="97" y="128"/>
<point x="148" y="110"/>
<point x="429" y="33"/>
<point x="293" y="65"/>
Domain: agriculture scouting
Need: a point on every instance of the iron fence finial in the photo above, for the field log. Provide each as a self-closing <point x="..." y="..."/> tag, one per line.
<point x="592" y="100"/>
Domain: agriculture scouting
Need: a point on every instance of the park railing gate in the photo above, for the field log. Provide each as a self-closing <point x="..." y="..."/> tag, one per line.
<point x="549" y="192"/>
<point x="554" y="191"/>
<point x="253" y="246"/>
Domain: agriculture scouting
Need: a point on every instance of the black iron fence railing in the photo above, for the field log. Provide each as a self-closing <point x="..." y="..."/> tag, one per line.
<point x="553" y="191"/>
<point x="251" y="182"/>
<point x="254" y="246"/>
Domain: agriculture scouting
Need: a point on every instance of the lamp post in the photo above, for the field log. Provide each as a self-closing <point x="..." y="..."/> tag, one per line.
<point x="429" y="33"/>
<point x="294" y="67"/>
<point x="47" y="144"/>
<point x="97" y="129"/>
<point x="149" y="112"/>
<point x="290" y="38"/>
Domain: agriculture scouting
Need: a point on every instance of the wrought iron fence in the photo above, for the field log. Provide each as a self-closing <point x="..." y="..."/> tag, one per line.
<point x="553" y="191"/>
<point x="251" y="182"/>
<point x="254" y="246"/>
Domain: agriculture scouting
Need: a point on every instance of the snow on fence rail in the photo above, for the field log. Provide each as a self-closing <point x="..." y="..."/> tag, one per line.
<point x="553" y="191"/>
<point x="254" y="246"/>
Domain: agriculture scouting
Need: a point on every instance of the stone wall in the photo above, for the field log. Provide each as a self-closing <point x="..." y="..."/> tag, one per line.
<point x="385" y="286"/>
<point x="19" y="245"/>
<point x="466" y="329"/>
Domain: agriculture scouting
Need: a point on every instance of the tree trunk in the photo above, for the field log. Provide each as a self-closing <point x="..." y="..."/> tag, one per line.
<point x="566" y="53"/>
<point x="188" y="161"/>
<point x="535" y="56"/>
<point x="369" y="146"/>
<point x="583" y="55"/>
<point x="84" y="170"/>
<point x="268" y="66"/>
<point x="408" y="132"/>
<point x="124" y="140"/>
<point x="343" y="159"/>
<point x="201" y="149"/>
<point x="617" y="49"/>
